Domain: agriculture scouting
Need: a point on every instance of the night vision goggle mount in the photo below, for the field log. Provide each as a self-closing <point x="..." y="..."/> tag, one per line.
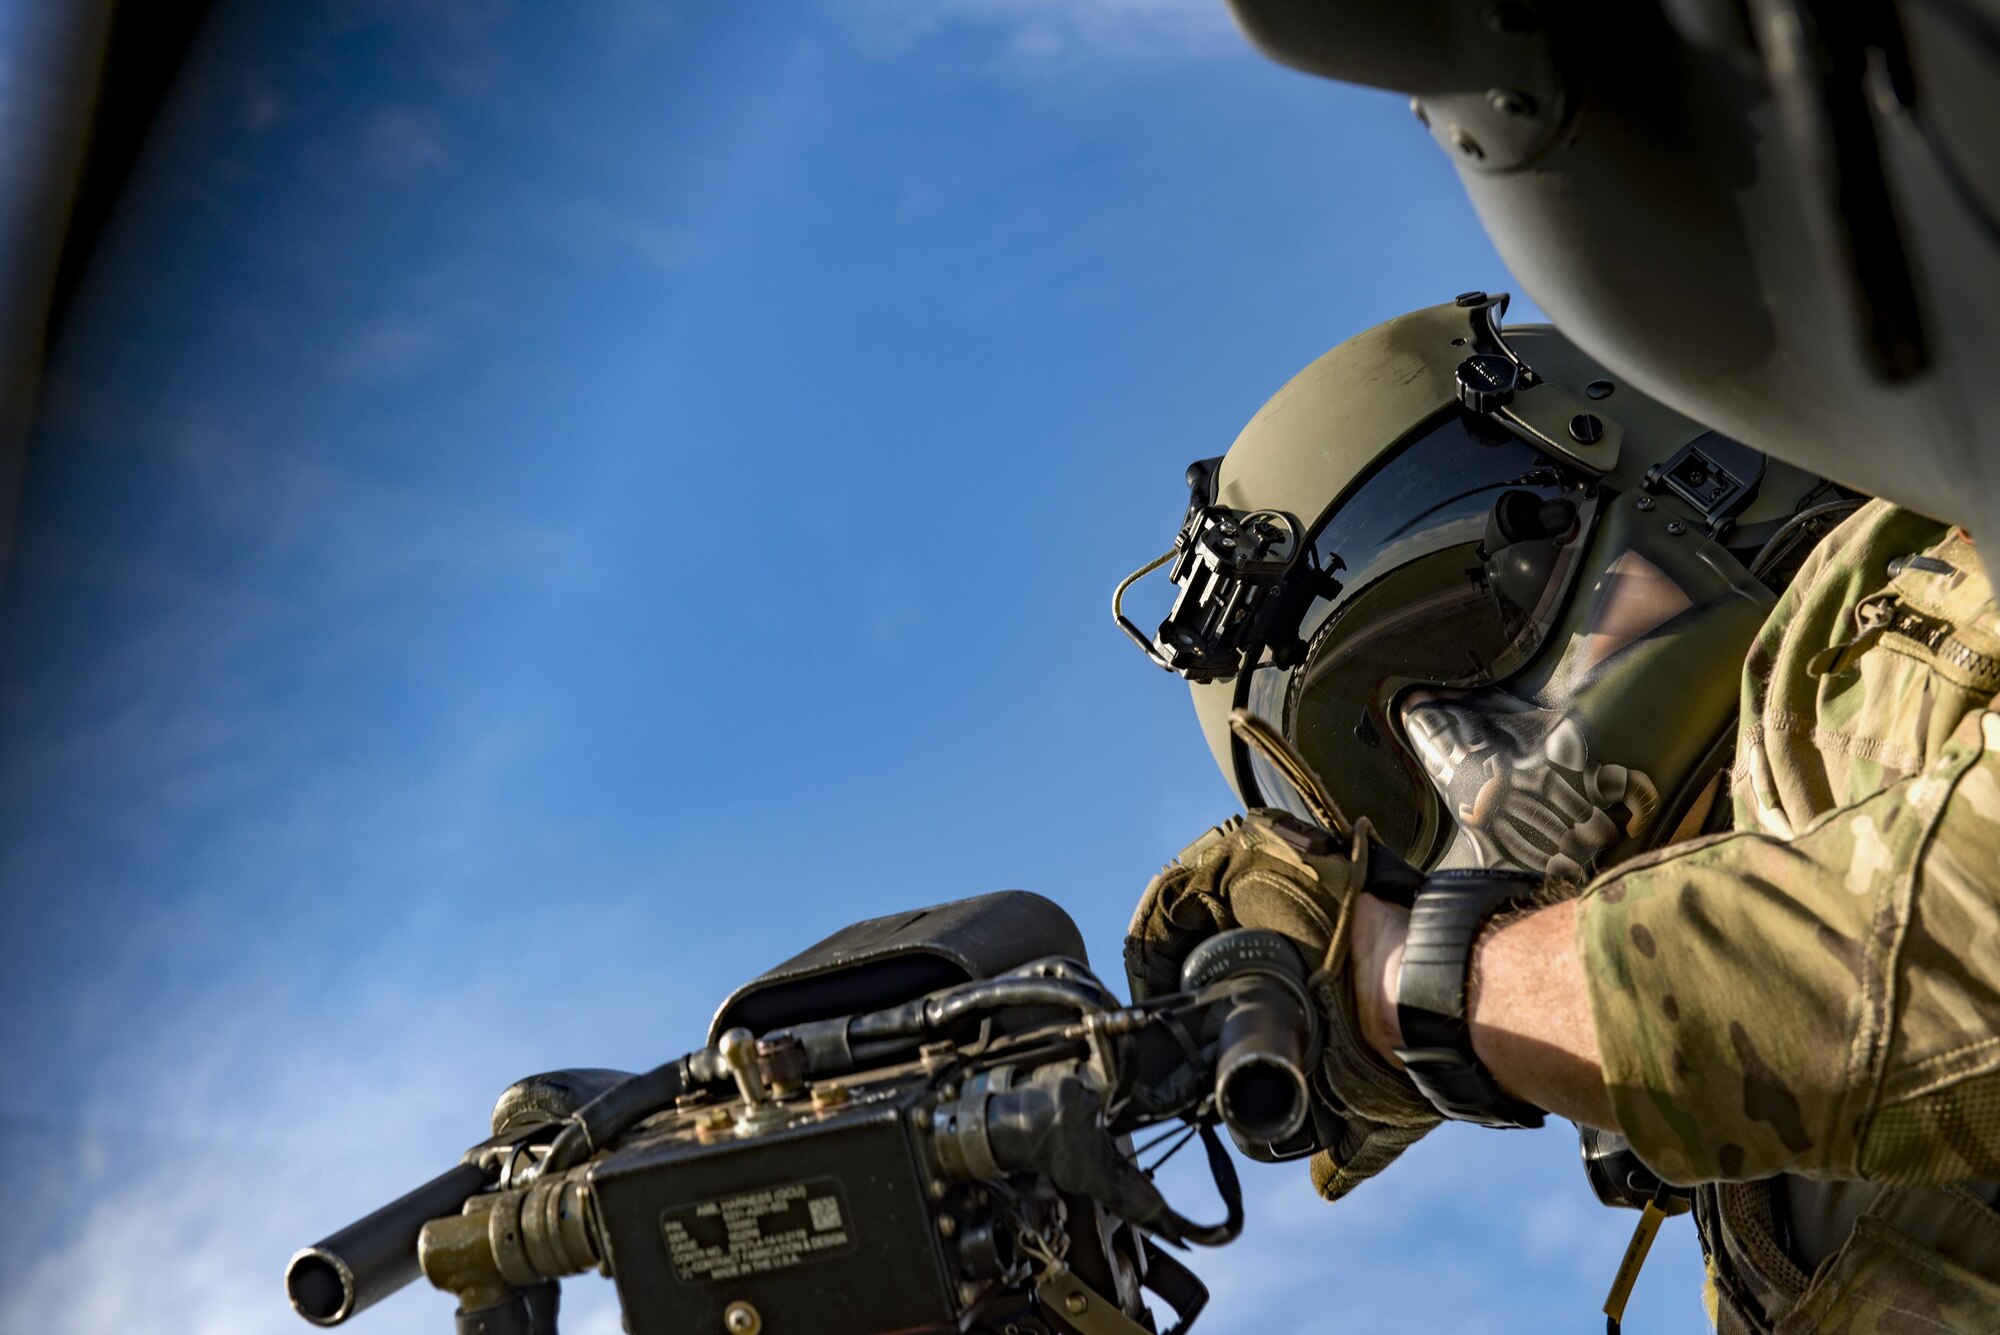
<point x="1246" y="578"/>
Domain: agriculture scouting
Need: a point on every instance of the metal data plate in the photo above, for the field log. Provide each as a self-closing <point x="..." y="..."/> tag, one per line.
<point x="817" y="1224"/>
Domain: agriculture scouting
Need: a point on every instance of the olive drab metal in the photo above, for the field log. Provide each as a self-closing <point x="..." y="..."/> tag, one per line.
<point x="1780" y="217"/>
<point x="1456" y="567"/>
<point x="925" y="1122"/>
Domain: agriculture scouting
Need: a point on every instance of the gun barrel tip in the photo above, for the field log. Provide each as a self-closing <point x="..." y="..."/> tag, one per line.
<point x="320" y="1286"/>
<point x="1264" y="1097"/>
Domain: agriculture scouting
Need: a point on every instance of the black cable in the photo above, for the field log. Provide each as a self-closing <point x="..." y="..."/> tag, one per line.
<point x="1156" y="1141"/>
<point x="1770" y="555"/>
<point x="1070" y="971"/>
<point x="614" y="1112"/>
<point x="1228" y="1186"/>
<point x="1173" y="1150"/>
<point x="934" y="1014"/>
<point x="1178" y="1031"/>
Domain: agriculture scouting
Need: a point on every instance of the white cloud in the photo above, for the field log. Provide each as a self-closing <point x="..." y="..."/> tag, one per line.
<point x="438" y="309"/>
<point x="184" y="1226"/>
<point x="190" y="1239"/>
<point x="1048" y="33"/>
<point x="175" y="1267"/>
<point x="388" y="351"/>
<point x="640" y="20"/>
<point x="460" y="41"/>
<point x="621" y="233"/>
<point x="400" y="143"/>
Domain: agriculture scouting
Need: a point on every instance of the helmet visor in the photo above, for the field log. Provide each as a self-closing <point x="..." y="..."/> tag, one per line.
<point x="1436" y="591"/>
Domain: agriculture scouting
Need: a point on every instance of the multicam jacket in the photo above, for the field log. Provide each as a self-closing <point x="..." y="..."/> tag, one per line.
<point x="1804" y="1014"/>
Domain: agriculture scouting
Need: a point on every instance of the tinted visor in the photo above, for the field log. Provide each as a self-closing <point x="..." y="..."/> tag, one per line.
<point x="1455" y="556"/>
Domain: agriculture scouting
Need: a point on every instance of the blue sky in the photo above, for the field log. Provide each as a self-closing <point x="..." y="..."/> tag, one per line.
<point x="545" y="510"/>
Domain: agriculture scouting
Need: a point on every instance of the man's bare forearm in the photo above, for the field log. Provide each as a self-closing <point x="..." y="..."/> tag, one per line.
<point x="1529" y="1011"/>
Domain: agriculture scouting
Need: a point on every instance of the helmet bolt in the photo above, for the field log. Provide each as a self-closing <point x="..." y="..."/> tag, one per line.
<point x="1467" y="145"/>
<point x="1510" y="102"/>
<point x="1586" y="428"/>
<point x="1676" y="527"/>
<point x="1644" y="502"/>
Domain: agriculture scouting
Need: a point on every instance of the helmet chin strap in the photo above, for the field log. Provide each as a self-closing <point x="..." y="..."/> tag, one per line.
<point x="1267" y="742"/>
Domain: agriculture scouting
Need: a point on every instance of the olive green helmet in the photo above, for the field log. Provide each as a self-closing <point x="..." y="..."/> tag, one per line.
<point x="1779" y="216"/>
<point x="1447" y="563"/>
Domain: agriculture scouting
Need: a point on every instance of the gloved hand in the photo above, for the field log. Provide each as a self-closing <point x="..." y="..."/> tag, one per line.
<point x="1273" y="871"/>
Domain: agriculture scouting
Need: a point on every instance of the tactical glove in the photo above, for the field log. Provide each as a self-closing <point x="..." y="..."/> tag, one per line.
<point x="1270" y="870"/>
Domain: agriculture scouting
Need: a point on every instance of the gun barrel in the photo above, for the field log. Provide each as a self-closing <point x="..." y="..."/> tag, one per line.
<point x="1260" y="1075"/>
<point x="1268" y="1032"/>
<point x="373" y="1257"/>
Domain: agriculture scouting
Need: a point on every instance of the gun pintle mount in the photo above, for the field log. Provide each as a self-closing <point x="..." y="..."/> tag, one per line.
<point x="924" y="1123"/>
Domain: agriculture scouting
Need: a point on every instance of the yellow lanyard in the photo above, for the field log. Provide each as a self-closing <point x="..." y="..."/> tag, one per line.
<point x="1648" y="1228"/>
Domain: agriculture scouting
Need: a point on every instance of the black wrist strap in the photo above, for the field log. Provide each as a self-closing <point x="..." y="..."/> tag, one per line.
<point x="1449" y="912"/>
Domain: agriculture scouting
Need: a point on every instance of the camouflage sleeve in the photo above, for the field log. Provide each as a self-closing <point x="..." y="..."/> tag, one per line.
<point x="1827" y="1004"/>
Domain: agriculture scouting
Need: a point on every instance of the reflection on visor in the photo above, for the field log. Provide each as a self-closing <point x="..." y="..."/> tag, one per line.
<point x="1458" y="552"/>
<point x="1521" y="782"/>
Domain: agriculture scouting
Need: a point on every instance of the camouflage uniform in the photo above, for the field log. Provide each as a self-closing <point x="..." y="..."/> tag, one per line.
<point x="1804" y="1014"/>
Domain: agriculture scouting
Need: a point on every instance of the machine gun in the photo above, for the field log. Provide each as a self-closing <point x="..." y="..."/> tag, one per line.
<point x="925" y="1123"/>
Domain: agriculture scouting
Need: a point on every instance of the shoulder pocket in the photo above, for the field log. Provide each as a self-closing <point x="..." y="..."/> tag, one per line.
<point x="1883" y="1280"/>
